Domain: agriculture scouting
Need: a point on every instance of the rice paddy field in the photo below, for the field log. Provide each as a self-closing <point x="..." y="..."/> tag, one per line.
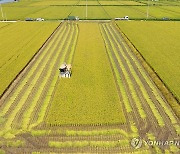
<point x="58" y="10"/>
<point x="123" y="93"/>
<point x="102" y="107"/>
<point x="150" y="46"/>
<point x="19" y="43"/>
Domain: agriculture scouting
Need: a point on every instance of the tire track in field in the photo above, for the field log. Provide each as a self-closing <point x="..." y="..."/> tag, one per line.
<point x="150" y="99"/>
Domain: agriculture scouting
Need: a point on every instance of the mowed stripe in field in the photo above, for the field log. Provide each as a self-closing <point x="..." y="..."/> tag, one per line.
<point x="68" y="47"/>
<point x="90" y="95"/>
<point x="143" y="95"/>
<point x="35" y="89"/>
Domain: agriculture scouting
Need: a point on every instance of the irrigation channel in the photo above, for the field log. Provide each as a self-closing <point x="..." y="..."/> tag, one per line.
<point x="24" y="106"/>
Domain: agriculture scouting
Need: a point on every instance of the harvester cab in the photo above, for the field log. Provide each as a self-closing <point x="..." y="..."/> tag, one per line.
<point x="65" y="70"/>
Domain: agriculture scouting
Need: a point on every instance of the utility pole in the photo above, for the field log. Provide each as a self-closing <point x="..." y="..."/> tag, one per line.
<point x="86" y="10"/>
<point x="147" y="15"/>
<point x="5" y="16"/>
<point x="2" y="12"/>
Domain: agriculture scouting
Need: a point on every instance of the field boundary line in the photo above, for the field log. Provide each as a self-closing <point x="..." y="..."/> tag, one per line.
<point x="165" y="90"/>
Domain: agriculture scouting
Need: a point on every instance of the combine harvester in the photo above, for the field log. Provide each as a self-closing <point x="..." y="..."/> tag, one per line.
<point x="65" y="70"/>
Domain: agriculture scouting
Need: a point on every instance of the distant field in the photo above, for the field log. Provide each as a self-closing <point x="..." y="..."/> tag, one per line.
<point x="165" y="2"/>
<point x="173" y="9"/>
<point x="19" y="13"/>
<point x="110" y="3"/>
<point x="90" y="95"/>
<point x="48" y="3"/>
<point x="94" y="12"/>
<point x="19" y="42"/>
<point x="140" y="12"/>
<point x="130" y="3"/>
<point x="57" y="10"/>
<point x="88" y="3"/>
<point x="159" y="12"/>
<point x="18" y="4"/>
<point x="52" y="12"/>
<point x="116" y="11"/>
<point x="158" y="43"/>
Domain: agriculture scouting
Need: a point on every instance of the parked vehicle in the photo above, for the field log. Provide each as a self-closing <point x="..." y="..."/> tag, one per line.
<point x="72" y="18"/>
<point x="165" y="18"/>
<point x="39" y="19"/>
<point x="124" y="18"/>
<point x="29" y="19"/>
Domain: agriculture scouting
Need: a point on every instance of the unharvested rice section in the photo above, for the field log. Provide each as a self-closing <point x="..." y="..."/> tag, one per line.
<point x="90" y="96"/>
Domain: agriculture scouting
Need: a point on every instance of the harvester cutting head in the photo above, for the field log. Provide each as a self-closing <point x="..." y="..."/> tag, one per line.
<point x="65" y="70"/>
